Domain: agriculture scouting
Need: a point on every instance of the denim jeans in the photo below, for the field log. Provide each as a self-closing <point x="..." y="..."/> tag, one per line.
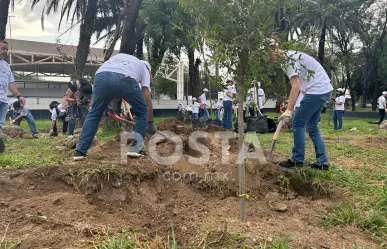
<point x="205" y="113"/>
<point x="3" y="112"/>
<point x="217" y="112"/>
<point x="227" y="117"/>
<point x="338" y="119"/>
<point x="30" y="121"/>
<point x="195" y="116"/>
<point x="73" y="113"/>
<point x="107" y="86"/>
<point x="306" y="119"/>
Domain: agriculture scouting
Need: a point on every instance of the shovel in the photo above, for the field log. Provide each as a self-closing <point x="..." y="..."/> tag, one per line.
<point x="275" y="137"/>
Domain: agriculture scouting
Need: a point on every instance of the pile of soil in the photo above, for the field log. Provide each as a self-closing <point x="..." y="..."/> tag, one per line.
<point x="76" y="204"/>
<point x="13" y="131"/>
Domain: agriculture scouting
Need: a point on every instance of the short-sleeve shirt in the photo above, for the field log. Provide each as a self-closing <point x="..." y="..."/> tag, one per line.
<point x="54" y="114"/>
<point x="261" y="98"/>
<point x="129" y="66"/>
<point x="313" y="78"/>
<point x="381" y="102"/>
<point x="203" y="98"/>
<point x="340" y="107"/>
<point x="6" y="77"/>
<point x="195" y="107"/>
<point x="23" y="112"/>
<point x="229" y="89"/>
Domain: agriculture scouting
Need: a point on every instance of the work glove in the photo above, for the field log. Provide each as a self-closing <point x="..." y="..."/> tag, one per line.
<point x="152" y="128"/>
<point x="286" y="117"/>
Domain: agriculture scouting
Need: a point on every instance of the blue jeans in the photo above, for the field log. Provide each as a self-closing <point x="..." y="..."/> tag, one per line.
<point x="195" y="116"/>
<point x="205" y="113"/>
<point x="306" y="119"/>
<point x="107" y="86"/>
<point x="227" y="116"/>
<point x="30" y="121"/>
<point x="3" y="112"/>
<point x="338" y="119"/>
<point x="217" y="114"/>
<point x="74" y="112"/>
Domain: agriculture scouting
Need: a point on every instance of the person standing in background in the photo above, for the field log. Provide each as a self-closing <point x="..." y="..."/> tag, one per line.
<point x="227" y="105"/>
<point x="181" y="109"/>
<point x="195" y="108"/>
<point x="203" y="104"/>
<point x="382" y="106"/>
<point x="261" y="97"/>
<point x="339" y="109"/>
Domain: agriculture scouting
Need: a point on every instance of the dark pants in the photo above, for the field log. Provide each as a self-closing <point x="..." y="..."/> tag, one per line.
<point x="338" y="119"/>
<point x="382" y="113"/>
<point x="227" y="117"/>
<point x="65" y="124"/>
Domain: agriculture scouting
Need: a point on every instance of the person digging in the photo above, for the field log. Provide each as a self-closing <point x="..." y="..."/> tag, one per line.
<point x="316" y="89"/>
<point x="120" y="77"/>
<point x="19" y="113"/>
<point x="57" y="112"/>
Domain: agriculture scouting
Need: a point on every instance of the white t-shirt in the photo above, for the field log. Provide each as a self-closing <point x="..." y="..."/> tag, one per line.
<point x="252" y="95"/>
<point x="54" y="115"/>
<point x="188" y="109"/>
<point x="23" y="112"/>
<point x="261" y="98"/>
<point x="127" y="65"/>
<point x="195" y="107"/>
<point x="203" y="99"/>
<point x="381" y="102"/>
<point x="181" y="107"/>
<point x="340" y="107"/>
<point x="298" y="64"/>
<point x="229" y="89"/>
<point x="6" y="77"/>
<point x="298" y="102"/>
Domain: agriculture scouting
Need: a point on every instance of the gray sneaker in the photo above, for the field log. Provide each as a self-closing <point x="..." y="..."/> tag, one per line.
<point x="137" y="154"/>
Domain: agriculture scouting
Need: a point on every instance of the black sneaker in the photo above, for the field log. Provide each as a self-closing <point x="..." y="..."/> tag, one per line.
<point x="137" y="154"/>
<point x="79" y="156"/>
<point x="2" y="146"/>
<point x="290" y="164"/>
<point x="318" y="166"/>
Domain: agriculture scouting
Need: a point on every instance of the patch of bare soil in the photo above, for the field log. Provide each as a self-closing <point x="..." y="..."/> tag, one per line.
<point x="370" y="142"/>
<point x="75" y="204"/>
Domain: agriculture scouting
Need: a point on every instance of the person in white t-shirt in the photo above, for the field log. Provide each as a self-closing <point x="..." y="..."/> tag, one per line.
<point x="228" y="94"/>
<point x="339" y="102"/>
<point x="317" y="89"/>
<point x="203" y="104"/>
<point x="6" y="83"/>
<point x="57" y="112"/>
<point x="19" y="113"/>
<point x="382" y="106"/>
<point x="195" y="108"/>
<point x="180" y="109"/>
<point x="119" y="77"/>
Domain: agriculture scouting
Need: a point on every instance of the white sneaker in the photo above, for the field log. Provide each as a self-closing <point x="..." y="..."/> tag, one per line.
<point x="136" y="154"/>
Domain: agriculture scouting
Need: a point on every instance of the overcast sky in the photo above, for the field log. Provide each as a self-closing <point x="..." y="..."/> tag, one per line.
<point x="26" y="25"/>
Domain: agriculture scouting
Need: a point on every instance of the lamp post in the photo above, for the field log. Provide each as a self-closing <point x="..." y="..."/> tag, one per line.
<point x="10" y="29"/>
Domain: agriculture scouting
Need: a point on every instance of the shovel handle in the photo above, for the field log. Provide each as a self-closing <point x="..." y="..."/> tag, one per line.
<point x="279" y="128"/>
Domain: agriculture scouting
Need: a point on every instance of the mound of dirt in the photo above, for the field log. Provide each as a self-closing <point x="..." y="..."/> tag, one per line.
<point x="70" y="143"/>
<point x="13" y="131"/>
<point x="82" y="203"/>
<point x="170" y="124"/>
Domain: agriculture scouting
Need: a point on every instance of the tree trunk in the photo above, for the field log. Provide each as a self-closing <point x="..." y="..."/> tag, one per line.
<point x="86" y="31"/>
<point x="243" y="58"/>
<point x="374" y="80"/>
<point x="4" y="8"/>
<point x="193" y="70"/>
<point x="349" y="84"/>
<point x="128" y="42"/>
<point x="140" y="40"/>
<point x="321" y="45"/>
<point x="365" y="83"/>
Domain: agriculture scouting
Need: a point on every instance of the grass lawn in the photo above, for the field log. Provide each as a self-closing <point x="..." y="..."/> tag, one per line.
<point x="358" y="165"/>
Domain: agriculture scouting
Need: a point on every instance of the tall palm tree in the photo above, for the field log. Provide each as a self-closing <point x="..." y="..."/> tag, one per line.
<point x="82" y="11"/>
<point x="4" y="9"/>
